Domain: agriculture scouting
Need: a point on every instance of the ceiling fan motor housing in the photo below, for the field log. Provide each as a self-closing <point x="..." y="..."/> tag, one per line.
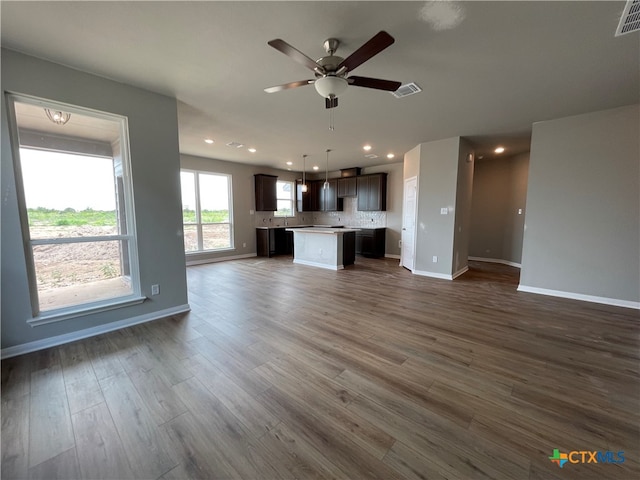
<point x="329" y="64"/>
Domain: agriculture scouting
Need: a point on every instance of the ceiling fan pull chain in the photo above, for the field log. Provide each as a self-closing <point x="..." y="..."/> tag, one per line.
<point x="331" y="120"/>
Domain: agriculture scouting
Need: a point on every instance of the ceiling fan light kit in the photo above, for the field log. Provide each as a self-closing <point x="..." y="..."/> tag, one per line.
<point x="330" y="86"/>
<point x="332" y="71"/>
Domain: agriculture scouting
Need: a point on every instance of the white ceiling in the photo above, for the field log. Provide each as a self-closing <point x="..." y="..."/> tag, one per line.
<point x="505" y="66"/>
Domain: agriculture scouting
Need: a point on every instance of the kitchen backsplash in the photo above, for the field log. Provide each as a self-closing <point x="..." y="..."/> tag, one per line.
<point x="350" y="216"/>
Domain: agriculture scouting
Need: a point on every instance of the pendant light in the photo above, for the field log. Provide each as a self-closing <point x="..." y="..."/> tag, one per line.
<point x="303" y="188"/>
<point x="326" y="173"/>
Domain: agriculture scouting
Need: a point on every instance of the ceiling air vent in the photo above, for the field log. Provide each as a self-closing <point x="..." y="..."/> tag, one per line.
<point x="235" y="144"/>
<point x="408" y="89"/>
<point x="630" y="19"/>
<point x="371" y="155"/>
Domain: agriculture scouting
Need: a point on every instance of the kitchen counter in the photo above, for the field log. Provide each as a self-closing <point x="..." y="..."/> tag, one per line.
<point x="271" y="227"/>
<point x="324" y="247"/>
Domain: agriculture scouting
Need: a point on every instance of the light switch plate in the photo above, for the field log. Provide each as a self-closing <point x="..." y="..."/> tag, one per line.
<point x="444" y="211"/>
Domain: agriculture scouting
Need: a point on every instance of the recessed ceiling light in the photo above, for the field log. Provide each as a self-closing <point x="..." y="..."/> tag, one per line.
<point x="252" y="150"/>
<point x="316" y="167"/>
<point x="289" y="163"/>
<point x="390" y="155"/>
<point x="366" y="148"/>
<point x="499" y="150"/>
<point x="208" y="140"/>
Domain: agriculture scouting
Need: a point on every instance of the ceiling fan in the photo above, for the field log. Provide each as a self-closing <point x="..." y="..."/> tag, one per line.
<point x="331" y="71"/>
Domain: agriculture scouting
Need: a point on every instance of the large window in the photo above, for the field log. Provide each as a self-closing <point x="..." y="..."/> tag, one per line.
<point x="73" y="181"/>
<point x="206" y="211"/>
<point x="284" y="195"/>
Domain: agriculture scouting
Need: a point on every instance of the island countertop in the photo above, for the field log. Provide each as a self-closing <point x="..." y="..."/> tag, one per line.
<point x="326" y="230"/>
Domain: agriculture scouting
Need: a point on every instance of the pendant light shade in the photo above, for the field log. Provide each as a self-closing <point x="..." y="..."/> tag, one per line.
<point x="326" y="173"/>
<point x="303" y="188"/>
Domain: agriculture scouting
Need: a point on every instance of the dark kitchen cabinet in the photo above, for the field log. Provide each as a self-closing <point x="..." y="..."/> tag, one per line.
<point x="303" y="199"/>
<point x="347" y="187"/>
<point x="273" y="241"/>
<point x="265" y="187"/>
<point x="370" y="242"/>
<point x="317" y="198"/>
<point x="329" y="201"/>
<point x="372" y="192"/>
<point x="348" y="248"/>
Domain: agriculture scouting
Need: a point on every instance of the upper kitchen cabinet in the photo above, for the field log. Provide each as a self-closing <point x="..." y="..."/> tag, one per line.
<point x="266" y="198"/>
<point x="308" y="201"/>
<point x="329" y="201"/>
<point x="372" y="192"/>
<point x="317" y="198"/>
<point x="347" y="187"/>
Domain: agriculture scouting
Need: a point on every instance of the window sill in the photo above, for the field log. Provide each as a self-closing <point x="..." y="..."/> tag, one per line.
<point x="208" y="252"/>
<point x="83" y="310"/>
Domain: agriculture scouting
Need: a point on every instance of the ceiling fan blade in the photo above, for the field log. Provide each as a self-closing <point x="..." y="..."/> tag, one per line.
<point x="375" y="45"/>
<point x="287" y="86"/>
<point x="331" y="102"/>
<point x="295" y="54"/>
<point x="377" y="83"/>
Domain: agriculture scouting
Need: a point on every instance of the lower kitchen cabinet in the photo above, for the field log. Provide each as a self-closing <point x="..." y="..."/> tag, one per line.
<point x="273" y="241"/>
<point x="370" y="242"/>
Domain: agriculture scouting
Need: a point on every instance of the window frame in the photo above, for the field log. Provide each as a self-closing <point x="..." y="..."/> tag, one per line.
<point x="40" y="317"/>
<point x="198" y="212"/>
<point x="291" y="199"/>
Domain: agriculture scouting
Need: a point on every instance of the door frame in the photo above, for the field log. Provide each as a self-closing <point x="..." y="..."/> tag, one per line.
<point x="415" y="222"/>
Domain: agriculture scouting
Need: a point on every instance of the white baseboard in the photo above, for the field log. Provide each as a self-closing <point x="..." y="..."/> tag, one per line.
<point x="579" y="296"/>
<point x="319" y="265"/>
<point x="390" y="255"/>
<point x="424" y="273"/>
<point x="202" y="261"/>
<point x="496" y="260"/>
<point x="90" y="332"/>
<point x="459" y="272"/>
<point x="443" y="276"/>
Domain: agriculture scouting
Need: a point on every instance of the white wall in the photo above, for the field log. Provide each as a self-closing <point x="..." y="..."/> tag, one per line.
<point x="155" y="164"/>
<point x="583" y="208"/>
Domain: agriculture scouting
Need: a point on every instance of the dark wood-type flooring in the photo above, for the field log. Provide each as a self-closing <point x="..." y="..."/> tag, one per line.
<point x="288" y="371"/>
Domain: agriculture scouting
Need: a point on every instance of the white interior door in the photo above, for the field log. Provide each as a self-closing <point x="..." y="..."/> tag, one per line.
<point x="409" y="203"/>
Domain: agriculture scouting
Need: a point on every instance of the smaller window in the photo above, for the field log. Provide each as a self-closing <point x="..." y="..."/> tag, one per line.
<point x="284" y="195"/>
<point x="206" y="211"/>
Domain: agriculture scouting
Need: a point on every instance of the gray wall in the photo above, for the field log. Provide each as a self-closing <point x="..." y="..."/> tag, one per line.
<point x="499" y="191"/>
<point x="583" y="206"/>
<point x="155" y="164"/>
<point x="445" y="180"/>
<point x="462" y="225"/>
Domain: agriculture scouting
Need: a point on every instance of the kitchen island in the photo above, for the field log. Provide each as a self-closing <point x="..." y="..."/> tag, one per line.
<point x="331" y="248"/>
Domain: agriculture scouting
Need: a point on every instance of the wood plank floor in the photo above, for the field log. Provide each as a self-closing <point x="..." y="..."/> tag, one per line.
<point x="288" y="371"/>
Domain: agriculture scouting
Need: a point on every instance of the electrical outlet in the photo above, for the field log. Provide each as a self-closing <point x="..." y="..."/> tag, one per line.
<point x="435" y="259"/>
<point x="444" y="211"/>
<point x="320" y="251"/>
<point x="155" y="289"/>
<point x="399" y="243"/>
<point x="244" y="244"/>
